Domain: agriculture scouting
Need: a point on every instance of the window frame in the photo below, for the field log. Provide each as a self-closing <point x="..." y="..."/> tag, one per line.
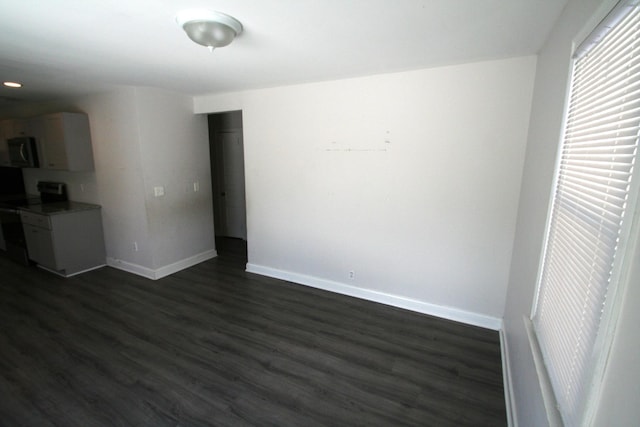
<point x="629" y="244"/>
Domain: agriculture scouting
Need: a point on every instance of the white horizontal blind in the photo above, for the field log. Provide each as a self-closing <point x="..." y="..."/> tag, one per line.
<point x="592" y="188"/>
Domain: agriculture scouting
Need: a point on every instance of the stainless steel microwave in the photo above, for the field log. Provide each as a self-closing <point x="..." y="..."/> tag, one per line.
<point x="23" y="152"/>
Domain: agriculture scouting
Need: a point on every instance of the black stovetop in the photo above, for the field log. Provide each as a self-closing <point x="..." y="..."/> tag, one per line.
<point x="17" y="200"/>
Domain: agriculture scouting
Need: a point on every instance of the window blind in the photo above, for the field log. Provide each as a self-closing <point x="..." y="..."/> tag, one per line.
<point x="591" y="194"/>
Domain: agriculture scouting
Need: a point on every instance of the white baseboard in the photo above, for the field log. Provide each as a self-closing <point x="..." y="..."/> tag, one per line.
<point x="130" y="267"/>
<point x="163" y="271"/>
<point x="185" y="263"/>
<point x="72" y="274"/>
<point x="450" y="313"/>
<point x="509" y="398"/>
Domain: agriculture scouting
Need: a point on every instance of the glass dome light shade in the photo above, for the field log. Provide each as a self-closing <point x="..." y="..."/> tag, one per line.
<point x="209" y="33"/>
<point x="211" y="29"/>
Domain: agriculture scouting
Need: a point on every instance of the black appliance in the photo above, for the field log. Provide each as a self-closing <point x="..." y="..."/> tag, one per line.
<point x="23" y="152"/>
<point x="12" y="230"/>
<point x="11" y="181"/>
<point x="52" y="192"/>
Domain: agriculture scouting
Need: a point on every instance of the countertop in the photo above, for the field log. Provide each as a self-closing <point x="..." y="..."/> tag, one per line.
<point x="19" y="199"/>
<point x="58" y="208"/>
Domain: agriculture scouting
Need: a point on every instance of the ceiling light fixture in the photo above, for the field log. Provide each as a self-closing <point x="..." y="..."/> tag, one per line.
<point x="210" y="29"/>
<point x="12" y="84"/>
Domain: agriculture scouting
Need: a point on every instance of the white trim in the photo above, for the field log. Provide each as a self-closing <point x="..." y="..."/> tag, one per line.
<point x="185" y="263"/>
<point x="552" y="189"/>
<point x="450" y="313"/>
<point x="59" y="273"/>
<point x="163" y="271"/>
<point x="598" y="16"/>
<point x="507" y="379"/>
<point x="550" y="404"/>
<point x="629" y="246"/>
<point x="131" y="268"/>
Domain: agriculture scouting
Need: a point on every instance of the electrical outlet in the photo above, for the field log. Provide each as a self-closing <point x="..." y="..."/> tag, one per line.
<point x="352" y="275"/>
<point x="196" y="186"/>
<point x="158" y="191"/>
<point x="135" y="246"/>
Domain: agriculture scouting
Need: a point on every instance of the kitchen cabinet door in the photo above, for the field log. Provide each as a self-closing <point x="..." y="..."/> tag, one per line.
<point x="35" y="126"/>
<point x="40" y="244"/>
<point x="53" y="144"/>
<point x="66" y="142"/>
<point x="66" y="243"/>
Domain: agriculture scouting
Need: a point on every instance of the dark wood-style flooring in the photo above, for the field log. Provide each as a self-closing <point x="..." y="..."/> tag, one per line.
<point x="216" y="346"/>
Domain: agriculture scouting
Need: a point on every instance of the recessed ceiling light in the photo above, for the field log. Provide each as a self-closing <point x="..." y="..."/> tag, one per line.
<point x="12" y="84"/>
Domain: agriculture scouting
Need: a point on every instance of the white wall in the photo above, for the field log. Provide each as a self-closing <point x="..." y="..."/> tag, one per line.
<point x="410" y="180"/>
<point x="142" y="138"/>
<point x="115" y="138"/>
<point x="544" y="135"/>
<point x="174" y="148"/>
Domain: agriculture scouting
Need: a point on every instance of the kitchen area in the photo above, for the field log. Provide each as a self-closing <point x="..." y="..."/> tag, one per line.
<point x="40" y="224"/>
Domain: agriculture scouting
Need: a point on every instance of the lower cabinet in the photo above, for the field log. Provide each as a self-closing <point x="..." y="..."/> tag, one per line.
<point x="67" y="243"/>
<point x="40" y="246"/>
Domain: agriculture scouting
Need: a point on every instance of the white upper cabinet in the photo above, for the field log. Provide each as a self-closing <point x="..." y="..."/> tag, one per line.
<point x="64" y="141"/>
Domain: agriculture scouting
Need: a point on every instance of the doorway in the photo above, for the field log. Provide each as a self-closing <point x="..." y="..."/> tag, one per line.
<point x="226" y="147"/>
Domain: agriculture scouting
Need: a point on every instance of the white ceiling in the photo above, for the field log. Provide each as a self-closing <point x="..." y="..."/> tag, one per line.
<point x="65" y="47"/>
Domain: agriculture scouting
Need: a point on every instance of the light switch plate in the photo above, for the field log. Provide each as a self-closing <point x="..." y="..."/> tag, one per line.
<point x="158" y="191"/>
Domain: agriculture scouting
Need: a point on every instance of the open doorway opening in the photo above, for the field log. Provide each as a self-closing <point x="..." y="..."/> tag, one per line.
<point x="226" y="147"/>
